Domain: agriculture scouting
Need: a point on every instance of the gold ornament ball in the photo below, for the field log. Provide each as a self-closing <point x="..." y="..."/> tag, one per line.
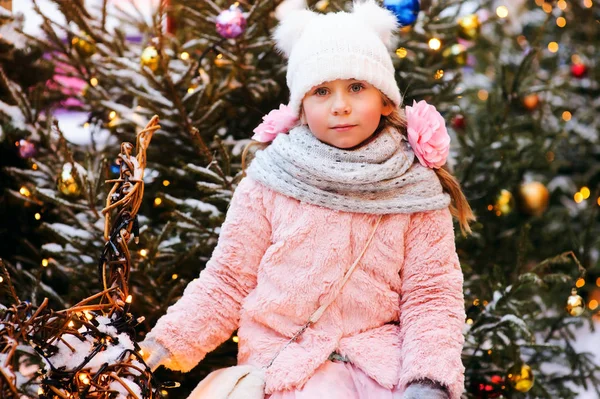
<point x="575" y="304"/>
<point x="66" y="182"/>
<point x="522" y="380"/>
<point x="531" y="101"/>
<point x="456" y="52"/>
<point x="150" y="58"/>
<point x="534" y="198"/>
<point x="84" y="44"/>
<point x="469" y="27"/>
<point x="505" y="203"/>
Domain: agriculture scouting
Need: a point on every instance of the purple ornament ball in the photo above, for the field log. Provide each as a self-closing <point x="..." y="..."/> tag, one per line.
<point x="26" y="149"/>
<point x="231" y="23"/>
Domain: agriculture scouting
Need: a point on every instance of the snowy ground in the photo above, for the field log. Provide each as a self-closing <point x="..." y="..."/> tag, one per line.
<point x="72" y="123"/>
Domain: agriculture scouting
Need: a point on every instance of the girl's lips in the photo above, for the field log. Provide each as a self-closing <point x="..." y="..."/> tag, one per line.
<point x="343" y="129"/>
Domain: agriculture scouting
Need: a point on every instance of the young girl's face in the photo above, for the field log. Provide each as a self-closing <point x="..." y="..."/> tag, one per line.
<point x="343" y="112"/>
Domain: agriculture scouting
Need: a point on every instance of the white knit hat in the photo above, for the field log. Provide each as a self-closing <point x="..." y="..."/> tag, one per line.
<point x="340" y="45"/>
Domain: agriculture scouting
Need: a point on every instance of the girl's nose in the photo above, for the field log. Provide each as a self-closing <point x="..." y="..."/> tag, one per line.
<point x="340" y="106"/>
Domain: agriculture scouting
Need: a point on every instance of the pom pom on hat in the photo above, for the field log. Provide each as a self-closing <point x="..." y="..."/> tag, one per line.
<point x="381" y="20"/>
<point x="294" y="17"/>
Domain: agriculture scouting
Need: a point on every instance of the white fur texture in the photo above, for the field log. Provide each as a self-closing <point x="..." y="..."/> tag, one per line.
<point x="381" y="20"/>
<point x="294" y="17"/>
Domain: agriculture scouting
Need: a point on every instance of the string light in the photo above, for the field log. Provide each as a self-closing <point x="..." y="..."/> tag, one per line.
<point x="143" y="252"/>
<point x="174" y="276"/>
<point x="24" y="191"/>
<point x="94" y="82"/>
<point x="86" y="125"/>
<point x="112" y="115"/>
<point x="547" y="8"/>
<point x="482" y="94"/>
<point x="401" y="52"/>
<point x="40" y="391"/>
<point x="166" y="183"/>
<point x="578" y="197"/>
<point x="37" y="216"/>
<point x="593" y="304"/>
<point x="439" y="74"/>
<point x="502" y="11"/>
<point x="185" y="56"/>
<point x="553" y="47"/>
<point x="34" y="166"/>
<point x="579" y="283"/>
<point x="566" y="116"/>
<point x="476" y="302"/>
<point x="587" y="3"/>
<point x="435" y="43"/>
<point x="71" y="324"/>
<point x="235" y="339"/>
<point x="157" y="201"/>
<point x="128" y="299"/>
<point x="561" y="22"/>
<point x="45" y="262"/>
<point x="1" y="279"/>
<point x="562" y="4"/>
<point x="469" y="321"/>
<point x="598" y="282"/>
<point x="585" y="192"/>
<point x="322" y="5"/>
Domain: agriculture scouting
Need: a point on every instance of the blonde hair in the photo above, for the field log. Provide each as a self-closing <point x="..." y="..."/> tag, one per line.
<point x="459" y="206"/>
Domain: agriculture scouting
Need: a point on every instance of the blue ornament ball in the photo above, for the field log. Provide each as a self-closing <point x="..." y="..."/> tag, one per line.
<point x="115" y="168"/>
<point x="406" y="11"/>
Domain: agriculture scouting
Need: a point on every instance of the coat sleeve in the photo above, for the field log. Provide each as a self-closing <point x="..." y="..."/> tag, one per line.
<point x="432" y="303"/>
<point x="209" y="310"/>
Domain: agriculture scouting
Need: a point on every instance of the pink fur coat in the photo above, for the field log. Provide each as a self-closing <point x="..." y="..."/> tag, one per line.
<point x="399" y="318"/>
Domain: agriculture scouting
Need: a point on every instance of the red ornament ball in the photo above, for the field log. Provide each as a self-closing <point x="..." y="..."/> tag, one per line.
<point x="459" y="122"/>
<point x="578" y="70"/>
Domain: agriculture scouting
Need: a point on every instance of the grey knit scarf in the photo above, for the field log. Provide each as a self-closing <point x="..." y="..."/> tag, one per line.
<point x="377" y="177"/>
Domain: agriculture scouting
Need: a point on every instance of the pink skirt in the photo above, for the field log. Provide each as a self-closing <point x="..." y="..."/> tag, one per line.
<point x="338" y="380"/>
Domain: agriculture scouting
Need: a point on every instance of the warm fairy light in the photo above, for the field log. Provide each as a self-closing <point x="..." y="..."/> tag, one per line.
<point x="598" y="202"/>
<point x="157" y="201"/>
<point x="40" y="391"/>
<point x="86" y="125"/>
<point x="94" y="82"/>
<point x="37" y="216"/>
<point x="502" y="11"/>
<point x="112" y="115"/>
<point x="88" y="315"/>
<point x="562" y="4"/>
<point x="553" y="47"/>
<point x="34" y="166"/>
<point x="1" y="279"/>
<point x="476" y="302"/>
<point x="24" y="191"/>
<point x="435" y="43"/>
<point x="585" y="192"/>
<point x="593" y="304"/>
<point x="71" y="324"/>
<point x="547" y="8"/>
<point x="579" y="283"/>
<point x="44" y="262"/>
<point x="166" y="183"/>
<point x="482" y="94"/>
<point x="322" y="5"/>
<point x="469" y="321"/>
<point x="185" y="56"/>
<point x="561" y="22"/>
<point x="587" y="3"/>
<point x="83" y="377"/>
<point x="439" y="74"/>
<point x="143" y="252"/>
<point x="578" y="197"/>
<point x="17" y="144"/>
<point x="490" y="207"/>
<point x="566" y="116"/>
<point x="401" y="52"/>
<point x="128" y="299"/>
<point x="235" y="339"/>
<point x="174" y="276"/>
<point x="489" y="351"/>
<point x="191" y="89"/>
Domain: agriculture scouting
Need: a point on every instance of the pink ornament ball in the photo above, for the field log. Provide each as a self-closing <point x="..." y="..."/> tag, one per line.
<point x="231" y="23"/>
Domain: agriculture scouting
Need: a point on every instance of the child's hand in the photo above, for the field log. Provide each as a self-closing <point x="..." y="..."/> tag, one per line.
<point x="153" y="353"/>
<point x="425" y="390"/>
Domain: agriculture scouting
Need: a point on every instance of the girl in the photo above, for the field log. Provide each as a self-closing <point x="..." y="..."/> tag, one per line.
<point x="338" y="157"/>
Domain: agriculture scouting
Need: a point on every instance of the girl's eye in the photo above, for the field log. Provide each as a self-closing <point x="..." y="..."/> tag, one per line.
<point x="321" y="91"/>
<point x="356" y="87"/>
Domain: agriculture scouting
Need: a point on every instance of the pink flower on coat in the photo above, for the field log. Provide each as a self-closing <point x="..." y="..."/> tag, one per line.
<point x="427" y="134"/>
<point x="277" y="121"/>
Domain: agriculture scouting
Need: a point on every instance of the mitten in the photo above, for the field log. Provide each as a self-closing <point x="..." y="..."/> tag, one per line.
<point x="425" y="389"/>
<point x="153" y="353"/>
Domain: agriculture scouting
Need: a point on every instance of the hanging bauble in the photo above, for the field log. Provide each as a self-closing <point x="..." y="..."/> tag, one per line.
<point x="231" y="23"/>
<point x="27" y="149"/>
<point x="531" y="101"/>
<point x="66" y="182"/>
<point x="575" y="304"/>
<point x="84" y="44"/>
<point x="504" y="203"/>
<point x="459" y="122"/>
<point x="115" y="168"/>
<point x="578" y="70"/>
<point x="456" y="53"/>
<point x="469" y="26"/>
<point x="406" y="11"/>
<point x="533" y="198"/>
<point x="521" y="378"/>
<point x="150" y="58"/>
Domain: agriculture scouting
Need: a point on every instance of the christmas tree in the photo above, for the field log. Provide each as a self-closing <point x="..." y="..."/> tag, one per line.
<point x="517" y="84"/>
